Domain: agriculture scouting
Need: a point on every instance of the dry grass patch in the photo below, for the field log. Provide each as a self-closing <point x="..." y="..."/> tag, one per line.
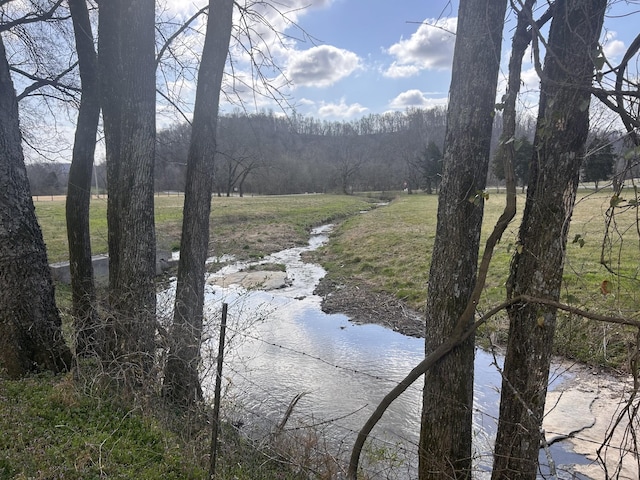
<point x="249" y="227"/>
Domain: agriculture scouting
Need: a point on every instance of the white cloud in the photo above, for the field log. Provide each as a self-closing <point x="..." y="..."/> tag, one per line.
<point x="181" y="7"/>
<point x="613" y="48"/>
<point x="312" y="3"/>
<point x="272" y="28"/>
<point x="321" y="66"/>
<point x="430" y="47"/>
<point x="401" y="71"/>
<point x="283" y="9"/>
<point x="341" y="110"/>
<point x="530" y="80"/>
<point x="415" y="98"/>
<point x="260" y="29"/>
<point x="305" y="102"/>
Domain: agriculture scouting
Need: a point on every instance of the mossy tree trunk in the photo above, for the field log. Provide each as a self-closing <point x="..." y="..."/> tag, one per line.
<point x="446" y="427"/>
<point x="536" y="270"/>
<point x="30" y="326"/>
<point x="181" y="382"/>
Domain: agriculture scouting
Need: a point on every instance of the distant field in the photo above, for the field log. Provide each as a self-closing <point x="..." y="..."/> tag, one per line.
<point x="388" y="249"/>
<point x="247" y="227"/>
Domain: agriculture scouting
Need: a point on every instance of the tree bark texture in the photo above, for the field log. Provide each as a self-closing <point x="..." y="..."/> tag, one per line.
<point x="127" y="72"/>
<point x="182" y="384"/>
<point x="446" y="427"/>
<point x="30" y="326"/>
<point x="86" y="320"/>
<point x="537" y="267"/>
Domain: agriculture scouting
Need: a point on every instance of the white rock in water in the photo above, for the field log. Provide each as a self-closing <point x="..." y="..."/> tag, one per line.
<point x="263" y="280"/>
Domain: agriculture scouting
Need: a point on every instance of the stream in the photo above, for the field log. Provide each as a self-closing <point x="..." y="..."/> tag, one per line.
<point x="280" y="344"/>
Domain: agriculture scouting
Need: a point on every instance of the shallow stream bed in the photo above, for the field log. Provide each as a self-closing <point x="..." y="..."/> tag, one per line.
<point x="280" y="344"/>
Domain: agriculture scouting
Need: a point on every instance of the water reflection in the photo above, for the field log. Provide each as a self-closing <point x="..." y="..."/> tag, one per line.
<point x="282" y="344"/>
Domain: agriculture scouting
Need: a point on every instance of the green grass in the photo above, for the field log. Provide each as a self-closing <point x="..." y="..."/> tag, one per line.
<point x="248" y="227"/>
<point x="388" y="250"/>
<point x="49" y="430"/>
<point x="52" y="428"/>
<point x="64" y="427"/>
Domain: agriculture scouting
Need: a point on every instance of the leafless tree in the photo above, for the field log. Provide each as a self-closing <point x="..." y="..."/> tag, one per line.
<point x="536" y="270"/>
<point x="89" y="339"/>
<point x="446" y="426"/>
<point x="30" y="325"/>
<point x="181" y="380"/>
<point x="126" y="52"/>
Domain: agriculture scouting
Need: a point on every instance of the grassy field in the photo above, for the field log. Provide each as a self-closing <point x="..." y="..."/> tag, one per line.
<point x="63" y="427"/>
<point x="388" y="250"/>
<point x="73" y="426"/>
<point x="50" y="430"/>
<point x="246" y="227"/>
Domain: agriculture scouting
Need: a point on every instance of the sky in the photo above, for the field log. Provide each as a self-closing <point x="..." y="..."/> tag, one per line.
<point x="383" y="58"/>
<point x="376" y="56"/>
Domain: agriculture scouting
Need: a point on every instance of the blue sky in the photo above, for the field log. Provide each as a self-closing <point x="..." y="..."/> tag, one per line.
<point x="374" y="56"/>
<point x="399" y="62"/>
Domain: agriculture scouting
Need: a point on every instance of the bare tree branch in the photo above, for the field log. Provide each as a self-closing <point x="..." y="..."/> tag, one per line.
<point x="460" y="332"/>
<point x="456" y="339"/>
<point x="32" y="17"/>
<point x="178" y="32"/>
<point x="42" y="82"/>
<point x="175" y="105"/>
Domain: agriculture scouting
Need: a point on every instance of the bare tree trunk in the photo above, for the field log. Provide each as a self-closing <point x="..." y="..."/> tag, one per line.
<point x="86" y="320"/>
<point x="182" y="383"/>
<point x="446" y="428"/>
<point x="563" y="124"/>
<point x="506" y="153"/>
<point x="127" y="72"/>
<point x="30" y="326"/>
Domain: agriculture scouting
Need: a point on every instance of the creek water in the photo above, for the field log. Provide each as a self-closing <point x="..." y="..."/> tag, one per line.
<point x="281" y="344"/>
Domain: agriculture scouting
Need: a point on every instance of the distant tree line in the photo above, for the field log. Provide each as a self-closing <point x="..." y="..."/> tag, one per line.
<point x="52" y="178"/>
<point x="48" y="178"/>
<point x="270" y="154"/>
<point x="606" y="158"/>
<point x="265" y="153"/>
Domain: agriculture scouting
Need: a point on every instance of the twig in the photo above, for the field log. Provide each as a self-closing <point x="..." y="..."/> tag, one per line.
<point x="289" y="411"/>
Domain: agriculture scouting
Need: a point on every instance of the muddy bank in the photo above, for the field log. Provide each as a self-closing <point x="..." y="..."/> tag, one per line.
<point x="362" y="305"/>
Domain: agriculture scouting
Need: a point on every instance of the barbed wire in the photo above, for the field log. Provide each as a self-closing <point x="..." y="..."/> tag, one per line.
<point x="313" y="422"/>
<point x="319" y="359"/>
<point x="321" y="436"/>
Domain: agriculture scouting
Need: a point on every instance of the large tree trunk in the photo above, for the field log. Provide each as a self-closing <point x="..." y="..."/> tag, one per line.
<point x="30" y="326"/>
<point x="563" y="124"/>
<point x="446" y="429"/>
<point x="127" y="72"/>
<point x="86" y="321"/>
<point x="182" y="384"/>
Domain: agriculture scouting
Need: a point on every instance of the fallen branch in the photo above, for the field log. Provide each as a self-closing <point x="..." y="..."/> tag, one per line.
<point x="288" y="413"/>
